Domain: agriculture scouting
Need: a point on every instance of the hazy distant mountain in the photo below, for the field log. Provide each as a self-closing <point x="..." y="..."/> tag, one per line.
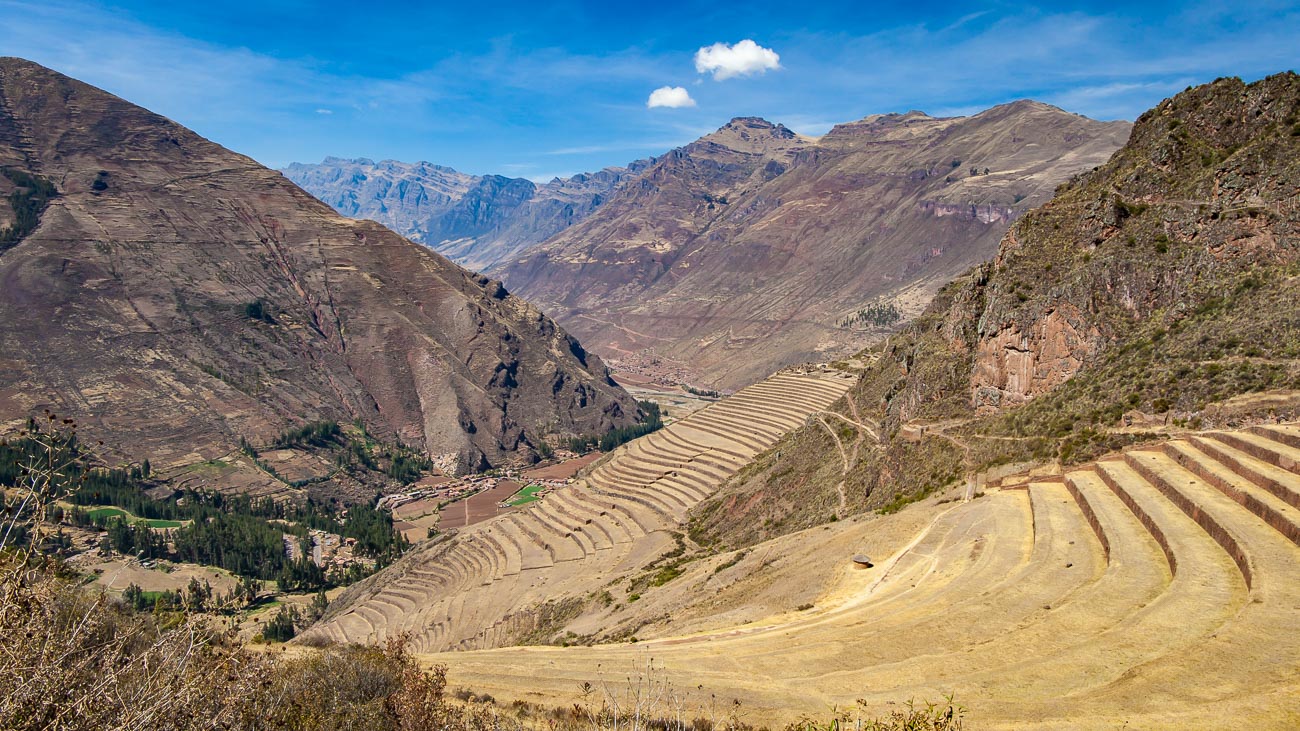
<point x="748" y="249"/>
<point x="477" y="221"/>
<point x="176" y="297"/>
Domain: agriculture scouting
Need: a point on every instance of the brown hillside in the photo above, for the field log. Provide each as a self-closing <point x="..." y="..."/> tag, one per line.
<point x="1156" y="293"/>
<point x="745" y="250"/>
<point x="132" y="305"/>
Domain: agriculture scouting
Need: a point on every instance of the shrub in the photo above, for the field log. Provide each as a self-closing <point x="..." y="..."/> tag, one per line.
<point x="257" y="310"/>
<point x="282" y="626"/>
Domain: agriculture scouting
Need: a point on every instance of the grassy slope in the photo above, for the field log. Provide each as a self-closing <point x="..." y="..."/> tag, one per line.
<point x="1176" y="262"/>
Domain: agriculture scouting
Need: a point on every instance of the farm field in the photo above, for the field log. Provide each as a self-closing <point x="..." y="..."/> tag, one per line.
<point x="112" y="512"/>
<point x="525" y="496"/>
<point x="563" y="470"/>
<point x="477" y="508"/>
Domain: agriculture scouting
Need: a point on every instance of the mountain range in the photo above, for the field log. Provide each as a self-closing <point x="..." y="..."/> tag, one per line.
<point x="1155" y="293"/>
<point x="478" y="221"/>
<point x="756" y="247"/>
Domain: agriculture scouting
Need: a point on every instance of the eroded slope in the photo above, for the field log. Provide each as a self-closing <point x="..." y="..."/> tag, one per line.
<point x="747" y="249"/>
<point x="177" y="297"/>
<point x="1155" y="293"/>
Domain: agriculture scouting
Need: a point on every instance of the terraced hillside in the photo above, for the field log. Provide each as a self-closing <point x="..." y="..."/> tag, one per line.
<point x="529" y="575"/>
<point x="1157" y="588"/>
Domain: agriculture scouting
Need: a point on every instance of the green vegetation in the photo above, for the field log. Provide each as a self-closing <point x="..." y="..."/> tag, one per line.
<point x="196" y="597"/>
<point x="876" y="314"/>
<point x="526" y="495"/>
<point x="701" y="392"/>
<point x="100" y="516"/>
<point x="1170" y="272"/>
<point x="236" y="533"/>
<point x="102" y="513"/>
<point x="147" y="662"/>
<point x="651" y="421"/>
<point x="665" y="575"/>
<point x="407" y="468"/>
<point x="27" y="202"/>
<point x="662" y="570"/>
<point x="740" y="556"/>
<point x="283" y="626"/>
<point x="359" y="451"/>
<point x="313" y="434"/>
<point x="257" y="310"/>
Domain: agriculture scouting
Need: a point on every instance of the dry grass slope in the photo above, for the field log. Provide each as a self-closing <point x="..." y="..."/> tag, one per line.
<point x="1155" y="587"/>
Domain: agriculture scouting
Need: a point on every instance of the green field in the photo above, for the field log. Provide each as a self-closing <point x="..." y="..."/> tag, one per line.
<point x="524" y="496"/>
<point x="120" y="513"/>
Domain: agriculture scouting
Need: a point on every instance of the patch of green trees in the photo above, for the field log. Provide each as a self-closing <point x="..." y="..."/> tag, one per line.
<point x="28" y="201"/>
<point x="651" y="421"/>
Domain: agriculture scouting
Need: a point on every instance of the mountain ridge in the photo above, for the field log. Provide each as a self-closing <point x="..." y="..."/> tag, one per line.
<point x="178" y="298"/>
<point x="475" y="220"/>
<point x="1150" y="296"/>
<point x="718" y="250"/>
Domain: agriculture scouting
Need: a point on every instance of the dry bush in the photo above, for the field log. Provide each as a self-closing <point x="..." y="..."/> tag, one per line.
<point x="357" y="688"/>
<point x="73" y="659"/>
<point x="913" y="716"/>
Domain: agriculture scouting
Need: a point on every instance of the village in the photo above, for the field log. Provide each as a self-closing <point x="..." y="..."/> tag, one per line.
<point x="440" y="504"/>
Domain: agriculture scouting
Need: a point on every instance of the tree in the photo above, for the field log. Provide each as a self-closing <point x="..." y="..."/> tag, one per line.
<point x="197" y="596"/>
<point x="319" y="604"/>
<point x="281" y="627"/>
<point x="246" y="591"/>
<point x="133" y="595"/>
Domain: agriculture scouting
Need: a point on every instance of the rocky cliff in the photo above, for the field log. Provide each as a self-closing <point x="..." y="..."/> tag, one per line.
<point x="477" y="221"/>
<point x="754" y="247"/>
<point x="1154" y="294"/>
<point x="175" y="298"/>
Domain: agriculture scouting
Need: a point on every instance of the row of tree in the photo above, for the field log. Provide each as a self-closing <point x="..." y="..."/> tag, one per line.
<point x="651" y="421"/>
<point x="877" y="314"/>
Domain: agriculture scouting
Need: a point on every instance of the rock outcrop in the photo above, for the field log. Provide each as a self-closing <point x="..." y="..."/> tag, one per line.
<point x="1155" y="293"/>
<point x="749" y="248"/>
<point x="177" y="297"/>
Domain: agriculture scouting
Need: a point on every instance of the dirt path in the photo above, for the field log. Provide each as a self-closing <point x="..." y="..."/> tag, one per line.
<point x="848" y="457"/>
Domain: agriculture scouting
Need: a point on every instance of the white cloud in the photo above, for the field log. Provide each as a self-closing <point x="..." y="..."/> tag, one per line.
<point x="743" y="59"/>
<point x="670" y="96"/>
<point x="324" y="111"/>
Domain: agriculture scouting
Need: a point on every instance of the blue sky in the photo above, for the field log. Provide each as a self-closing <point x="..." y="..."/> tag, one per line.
<point x="541" y="89"/>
